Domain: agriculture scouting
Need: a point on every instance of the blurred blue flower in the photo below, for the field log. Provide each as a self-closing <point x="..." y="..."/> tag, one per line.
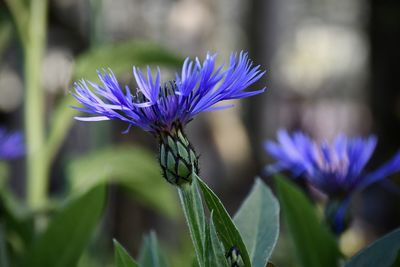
<point x="158" y="107"/>
<point x="11" y="144"/>
<point x="336" y="169"/>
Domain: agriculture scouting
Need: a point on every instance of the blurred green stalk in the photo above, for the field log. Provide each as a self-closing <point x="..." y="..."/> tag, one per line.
<point x="34" y="105"/>
<point x="31" y="24"/>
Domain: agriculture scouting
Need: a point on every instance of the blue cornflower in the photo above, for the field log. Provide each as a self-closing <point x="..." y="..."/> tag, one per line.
<point x="165" y="108"/>
<point x="11" y="144"/>
<point x="336" y="169"/>
<point x="158" y="107"/>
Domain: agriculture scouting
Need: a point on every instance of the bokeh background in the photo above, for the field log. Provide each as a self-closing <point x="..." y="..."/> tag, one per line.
<point x="332" y="67"/>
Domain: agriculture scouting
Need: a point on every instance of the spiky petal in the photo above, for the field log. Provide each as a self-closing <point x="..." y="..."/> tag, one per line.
<point x="336" y="169"/>
<point x="154" y="107"/>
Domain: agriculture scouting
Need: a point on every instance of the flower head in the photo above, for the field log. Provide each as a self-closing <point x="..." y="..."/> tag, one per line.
<point x="165" y="108"/>
<point x="158" y="107"/>
<point x="11" y="144"/>
<point x="337" y="169"/>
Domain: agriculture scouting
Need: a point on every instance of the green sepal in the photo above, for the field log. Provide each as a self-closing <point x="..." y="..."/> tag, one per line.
<point x="177" y="157"/>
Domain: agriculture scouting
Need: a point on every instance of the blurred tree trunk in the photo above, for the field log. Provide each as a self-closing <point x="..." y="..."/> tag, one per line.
<point x="259" y="47"/>
<point x="384" y="32"/>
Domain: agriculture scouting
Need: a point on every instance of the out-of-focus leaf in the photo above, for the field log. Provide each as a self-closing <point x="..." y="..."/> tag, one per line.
<point x="121" y="57"/>
<point x="18" y="222"/>
<point x="258" y="223"/>
<point x="194" y="213"/>
<point x="6" y="32"/>
<point x="226" y="229"/>
<point x="150" y="254"/>
<point x="215" y="254"/>
<point x="68" y="233"/>
<point x="20" y="13"/>
<point x="314" y="244"/>
<point x="61" y="121"/>
<point x="382" y="253"/>
<point x="122" y="257"/>
<point x="133" y="168"/>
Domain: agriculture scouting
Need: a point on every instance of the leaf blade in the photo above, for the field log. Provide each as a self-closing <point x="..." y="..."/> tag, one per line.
<point x="68" y="233"/>
<point x="227" y="230"/>
<point x="215" y="255"/>
<point x="120" y="56"/>
<point x="315" y="246"/>
<point x="194" y="213"/>
<point x="122" y="257"/>
<point x="258" y="222"/>
<point x="383" y="252"/>
<point x="150" y="253"/>
<point x="132" y="167"/>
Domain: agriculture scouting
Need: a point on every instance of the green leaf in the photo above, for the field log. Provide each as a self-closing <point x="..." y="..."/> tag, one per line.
<point x="226" y="229"/>
<point x="18" y="222"/>
<point x="121" y="57"/>
<point x="122" y="257"/>
<point x="60" y="123"/>
<point x="215" y="255"/>
<point x="258" y="223"/>
<point x="382" y="253"/>
<point x="69" y="232"/>
<point x="150" y="254"/>
<point x="132" y="167"/>
<point x="314" y="244"/>
<point x="6" y="33"/>
<point x="194" y="213"/>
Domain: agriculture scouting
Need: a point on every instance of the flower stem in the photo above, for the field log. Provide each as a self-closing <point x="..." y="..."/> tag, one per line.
<point x="192" y="206"/>
<point x="37" y="171"/>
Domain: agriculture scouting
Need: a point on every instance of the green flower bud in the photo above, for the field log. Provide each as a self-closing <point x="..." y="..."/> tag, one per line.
<point x="177" y="157"/>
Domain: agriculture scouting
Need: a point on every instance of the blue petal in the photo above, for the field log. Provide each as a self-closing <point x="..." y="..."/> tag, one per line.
<point x="392" y="166"/>
<point x="360" y="152"/>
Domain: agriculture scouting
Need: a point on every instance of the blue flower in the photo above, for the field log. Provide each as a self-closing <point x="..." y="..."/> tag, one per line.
<point x="11" y="144"/>
<point x="336" y="169"/>
<point x="158" y="107"/>
<point x="165" y="108"/>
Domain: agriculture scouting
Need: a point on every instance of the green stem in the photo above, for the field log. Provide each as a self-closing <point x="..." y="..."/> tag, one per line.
<point x="192" y="206"/>
<point x="37" y="171"/>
